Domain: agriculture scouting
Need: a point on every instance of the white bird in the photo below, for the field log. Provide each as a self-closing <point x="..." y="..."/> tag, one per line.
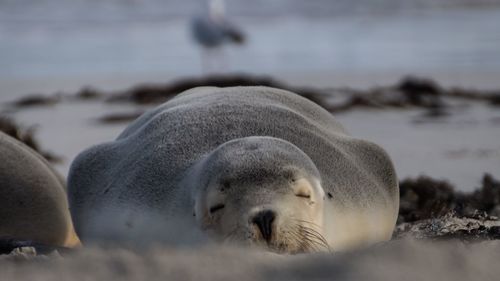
<point x="212" y="31"/>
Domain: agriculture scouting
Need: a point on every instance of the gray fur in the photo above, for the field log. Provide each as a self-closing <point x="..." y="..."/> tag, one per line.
<point x="33" y="203"/>
<point x="146" y="166"/>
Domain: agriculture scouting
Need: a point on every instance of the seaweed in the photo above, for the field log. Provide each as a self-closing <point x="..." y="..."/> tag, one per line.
<point x="427" y="198"/>
<point x="26" y="136"/>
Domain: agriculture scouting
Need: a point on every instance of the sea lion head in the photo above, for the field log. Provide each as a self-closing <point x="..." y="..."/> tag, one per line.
<point x="261" y="191"/>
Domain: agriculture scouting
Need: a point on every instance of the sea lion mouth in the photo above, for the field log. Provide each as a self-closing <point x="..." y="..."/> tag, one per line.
<point x="299" y="238"/>
<point x="296" y="238"/>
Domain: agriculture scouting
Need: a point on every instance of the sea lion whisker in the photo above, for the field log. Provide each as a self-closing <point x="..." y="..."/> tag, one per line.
<point x="295" y="238"/>
<point x="312" y="229"/>
<point x="317" y="237"/>
<point x="308" y="222"/>
<point x="307" y="241"/>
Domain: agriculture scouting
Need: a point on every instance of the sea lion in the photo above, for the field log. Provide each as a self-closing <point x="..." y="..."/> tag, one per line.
<point x="33" y="203"/>
<point x="256" y="165"/>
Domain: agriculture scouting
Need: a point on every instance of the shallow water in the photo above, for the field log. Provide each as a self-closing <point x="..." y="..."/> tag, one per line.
<point x="458" y="148"/>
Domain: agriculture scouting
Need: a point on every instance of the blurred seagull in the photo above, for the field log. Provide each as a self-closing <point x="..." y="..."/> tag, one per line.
<point x="212" y="31"/>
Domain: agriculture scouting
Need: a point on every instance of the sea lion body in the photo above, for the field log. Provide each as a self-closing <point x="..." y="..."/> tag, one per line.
<point x="164" y="160"/>
<point x="33" y="203"/>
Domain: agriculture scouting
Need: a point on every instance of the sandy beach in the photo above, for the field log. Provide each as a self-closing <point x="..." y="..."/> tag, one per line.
<point x="397" y="260"/>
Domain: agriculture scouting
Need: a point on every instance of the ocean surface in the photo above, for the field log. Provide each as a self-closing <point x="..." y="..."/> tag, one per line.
<point x="62" y="45"/>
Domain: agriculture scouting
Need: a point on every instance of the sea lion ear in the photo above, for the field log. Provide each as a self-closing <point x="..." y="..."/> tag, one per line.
<point x="225" y="185"/>
<point x="290" y="175"/>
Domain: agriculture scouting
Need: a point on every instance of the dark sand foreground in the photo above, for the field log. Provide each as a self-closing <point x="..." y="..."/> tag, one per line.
<point x="395" y="260"/>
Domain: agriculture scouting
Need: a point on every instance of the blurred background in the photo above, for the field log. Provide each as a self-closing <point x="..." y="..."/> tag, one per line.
<point x="48" y="45"/>
<point x="60" y="46"/>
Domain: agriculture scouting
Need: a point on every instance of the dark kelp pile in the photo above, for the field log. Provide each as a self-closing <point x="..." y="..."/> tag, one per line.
<point x="26" y="136"/>
<point x="451" y="227"/>
<point x="425" y="198"/>
<point x="410" y="92"/>
<point x="433" y="209"/>
<point x="36" y="100"/>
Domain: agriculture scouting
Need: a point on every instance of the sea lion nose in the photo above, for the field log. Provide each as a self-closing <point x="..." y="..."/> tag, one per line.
<point x="264" y="220"/>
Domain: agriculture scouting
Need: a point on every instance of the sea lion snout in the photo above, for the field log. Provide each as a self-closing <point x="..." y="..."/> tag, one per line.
<point x="265" y="222"/>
